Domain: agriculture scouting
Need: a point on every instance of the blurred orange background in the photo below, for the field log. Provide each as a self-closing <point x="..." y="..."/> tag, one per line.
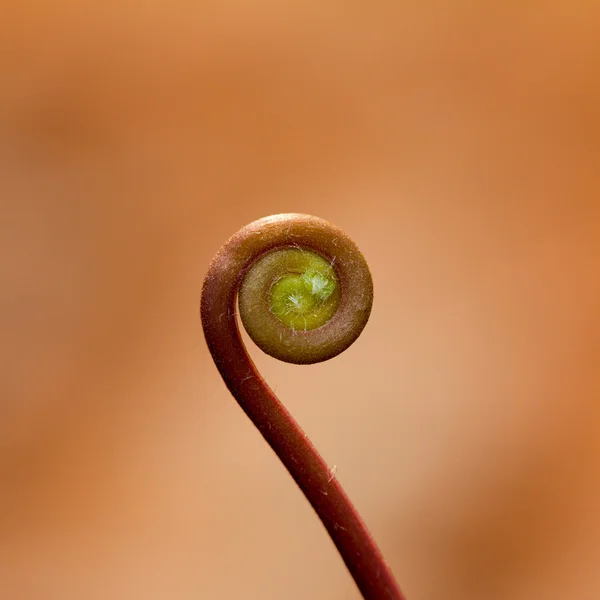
<point x="457" y="143"/>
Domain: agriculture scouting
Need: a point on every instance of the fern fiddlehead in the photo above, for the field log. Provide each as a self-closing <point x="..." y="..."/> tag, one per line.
<point x="305" y="294"/>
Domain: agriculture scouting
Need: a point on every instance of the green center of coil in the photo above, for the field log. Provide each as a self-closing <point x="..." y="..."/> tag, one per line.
<point x="307" y="297"/>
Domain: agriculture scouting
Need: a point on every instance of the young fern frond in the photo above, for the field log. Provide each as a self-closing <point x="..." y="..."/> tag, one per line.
<point x="305" y="294"/>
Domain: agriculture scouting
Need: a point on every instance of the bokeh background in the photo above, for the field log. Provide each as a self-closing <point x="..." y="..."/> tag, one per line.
<point x="458" y="143"/>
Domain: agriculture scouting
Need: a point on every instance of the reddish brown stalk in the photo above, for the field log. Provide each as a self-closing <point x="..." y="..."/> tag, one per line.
<point x="218" y="311"/>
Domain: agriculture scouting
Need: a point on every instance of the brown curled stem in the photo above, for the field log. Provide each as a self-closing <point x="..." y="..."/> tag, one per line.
<point x="218" y="312"/>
